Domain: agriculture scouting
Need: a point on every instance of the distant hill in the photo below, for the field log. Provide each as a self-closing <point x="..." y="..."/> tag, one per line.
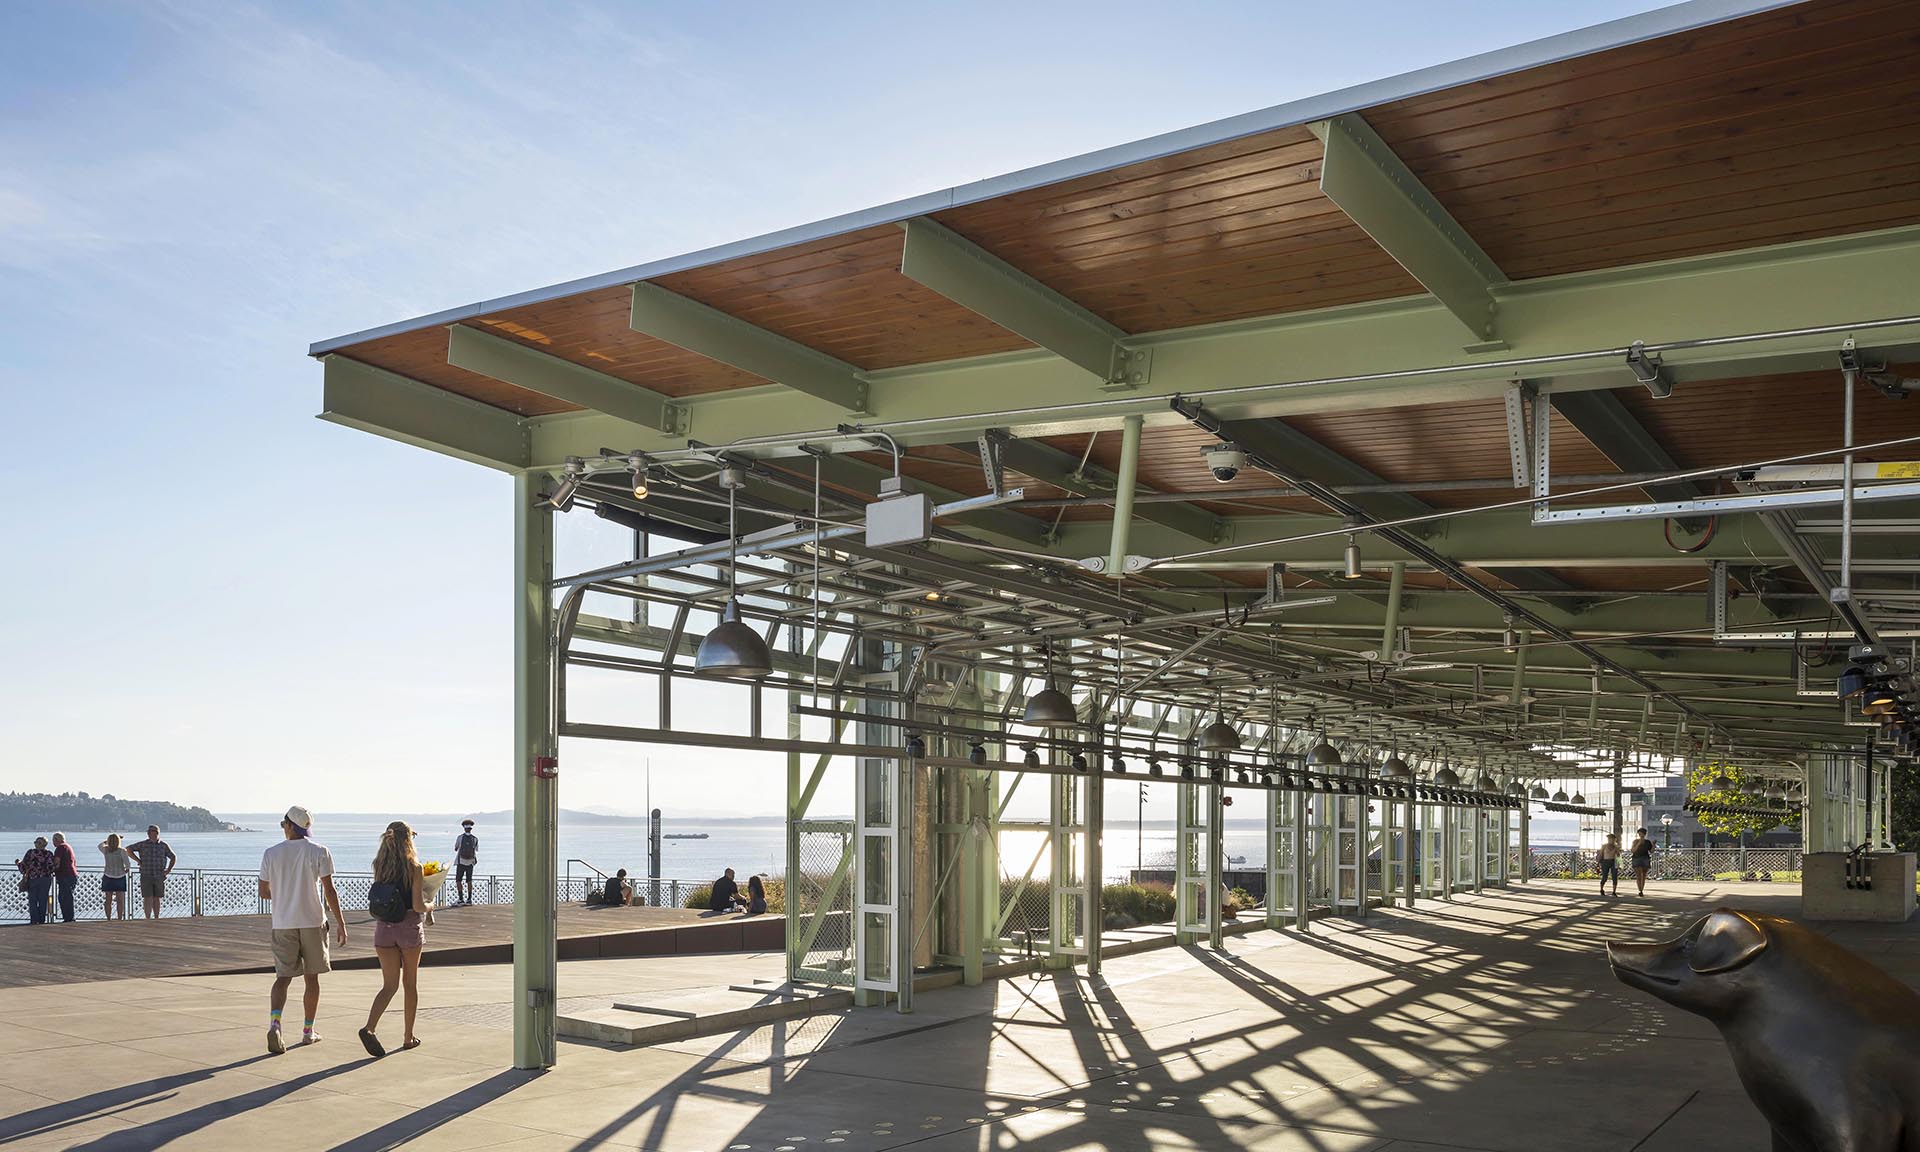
<point x="79" y="812"/>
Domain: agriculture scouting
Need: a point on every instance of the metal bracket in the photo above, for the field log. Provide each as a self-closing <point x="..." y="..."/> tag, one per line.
<point x="1889" y="384"/>
<point x="1717" y="598"/>
<point x="1649" y="371"/>
<point x="1132" y="368"/>
<point x="1542" y="451"/>
<point x="1516" y="397"/>
<point x="991" y="446"/>
<point x="676" y="419"/>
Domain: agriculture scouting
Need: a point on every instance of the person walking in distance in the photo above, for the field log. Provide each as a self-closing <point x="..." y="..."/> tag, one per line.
<point x="156" y="863"/>
<point x="66" y="874"/>
<point x="36" y="872"/>
<point x="1641" y="854"/>
<point x="116" y="865"/>
<point x="295" y="874"/>
<point x="466" y="853"/>
<point x="398" y="901"/>
<point x="1610" y="863"/>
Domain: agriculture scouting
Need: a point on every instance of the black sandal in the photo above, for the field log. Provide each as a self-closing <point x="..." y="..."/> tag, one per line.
<point x="372" y="1044"/>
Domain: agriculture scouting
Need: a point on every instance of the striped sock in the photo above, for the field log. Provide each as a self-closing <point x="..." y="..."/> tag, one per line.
<point x="274" y="1022"/>
<point x="306" y="1032"/>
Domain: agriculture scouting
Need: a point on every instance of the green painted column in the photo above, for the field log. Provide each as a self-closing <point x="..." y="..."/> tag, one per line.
<point x="534" y="797"/>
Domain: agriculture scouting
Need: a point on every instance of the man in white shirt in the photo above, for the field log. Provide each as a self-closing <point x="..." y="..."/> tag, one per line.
<point x="294" y="874"/>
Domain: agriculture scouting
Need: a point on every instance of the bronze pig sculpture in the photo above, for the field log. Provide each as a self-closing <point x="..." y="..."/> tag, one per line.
<point x="1827" y="1045"/>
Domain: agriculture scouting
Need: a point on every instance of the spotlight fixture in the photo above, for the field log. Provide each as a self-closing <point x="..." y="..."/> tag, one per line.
<point x="732" y="648"/>
<point x="1032" y="757"/>
<point x="1353" y="559"/>
<point x="560" y="497"/>
<point x="1079" y="762"/>
<point x="1153" y="766"/>
<point x="916" y="745"/>
<point x="1119" y="765"/>
<point x="637" y="463"/>
<point x="1880" y="696"/>
<point x="976" y="753"/>
<point x="1186" y="771"/>
<point x="1851" y="682"/>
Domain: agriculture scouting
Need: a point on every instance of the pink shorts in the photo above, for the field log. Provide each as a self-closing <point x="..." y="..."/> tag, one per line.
<point x="406" y="933"/>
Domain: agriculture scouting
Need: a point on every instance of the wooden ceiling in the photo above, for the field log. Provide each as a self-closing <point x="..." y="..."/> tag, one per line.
<point x="1799" y="122"/>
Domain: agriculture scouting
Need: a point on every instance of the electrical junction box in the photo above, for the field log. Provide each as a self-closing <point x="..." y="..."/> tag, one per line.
<point x="905" y="519"/>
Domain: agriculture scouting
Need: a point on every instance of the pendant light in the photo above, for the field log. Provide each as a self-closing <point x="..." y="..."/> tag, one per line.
<point x="1559" y="795"/>
<point x="732" y="648"/>
<point x="1050" y="707"/>
<point x="1539" y="792"/>
<point x="1579" y="799"/>
<point x="1722" y="782"/>
<point x="1323" y="754"/>
<point x="1446" y="777"/>
<point x="1219" y="736"/>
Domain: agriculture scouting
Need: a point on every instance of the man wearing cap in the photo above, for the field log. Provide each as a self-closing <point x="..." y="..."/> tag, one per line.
<point x="466" y="853"/>
<point x="295" y="874"/>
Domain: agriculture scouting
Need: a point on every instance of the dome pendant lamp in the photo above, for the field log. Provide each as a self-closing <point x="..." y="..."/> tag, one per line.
<point x="732" y="648"/>
<point x="1050" y="707"/>
<point x="1219" y="736"/>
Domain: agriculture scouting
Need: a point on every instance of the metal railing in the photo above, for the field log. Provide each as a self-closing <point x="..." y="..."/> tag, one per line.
<point x="1669" y="864"/>
<point x="220" y="892"/>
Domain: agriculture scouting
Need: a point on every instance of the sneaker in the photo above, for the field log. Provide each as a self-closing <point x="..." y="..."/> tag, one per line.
<point x="310" y="1038"/>
<point x="275" y="1045"/>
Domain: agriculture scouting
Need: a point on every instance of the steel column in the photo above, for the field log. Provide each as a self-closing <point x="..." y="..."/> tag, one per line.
<point x="535" y="926"/>
<point x="1123" y="495"/>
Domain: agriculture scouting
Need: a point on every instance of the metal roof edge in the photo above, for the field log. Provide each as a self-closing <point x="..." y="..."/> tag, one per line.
<point x="1626" y="30"/>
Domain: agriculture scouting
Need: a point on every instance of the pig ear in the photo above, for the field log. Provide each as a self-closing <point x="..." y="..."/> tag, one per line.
<point x="1726" y="940"/>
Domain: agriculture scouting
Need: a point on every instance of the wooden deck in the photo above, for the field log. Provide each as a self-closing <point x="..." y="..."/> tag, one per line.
<point x="112" y="950"/>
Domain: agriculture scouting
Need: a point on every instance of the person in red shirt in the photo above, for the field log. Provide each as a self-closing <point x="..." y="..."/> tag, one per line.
<point x="66" y="874"/>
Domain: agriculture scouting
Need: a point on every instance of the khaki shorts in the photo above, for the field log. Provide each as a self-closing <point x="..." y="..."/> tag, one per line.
<point x="300" y="952"/>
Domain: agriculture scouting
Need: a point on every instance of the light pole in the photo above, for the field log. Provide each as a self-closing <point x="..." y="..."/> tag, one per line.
<point x="1666" y="821"/>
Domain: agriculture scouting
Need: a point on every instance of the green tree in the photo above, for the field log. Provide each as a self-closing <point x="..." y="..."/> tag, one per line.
<point x="1906" y="808"/>
<point x="1700" y="784"/>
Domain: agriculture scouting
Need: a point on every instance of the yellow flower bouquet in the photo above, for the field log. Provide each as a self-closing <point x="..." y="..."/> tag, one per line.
<point x="436" y="877"/>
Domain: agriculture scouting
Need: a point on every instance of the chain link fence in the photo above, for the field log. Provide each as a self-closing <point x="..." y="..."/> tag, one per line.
<point x="215" y="892"/>
<point x="1676" y="864"/>
<point x="823" y="892"/>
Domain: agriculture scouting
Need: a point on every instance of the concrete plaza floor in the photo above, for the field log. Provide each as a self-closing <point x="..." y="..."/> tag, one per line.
<point x="1489" y="1023"/>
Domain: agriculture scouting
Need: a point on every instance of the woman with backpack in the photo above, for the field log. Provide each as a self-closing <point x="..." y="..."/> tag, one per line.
<point x="398" y="901"/>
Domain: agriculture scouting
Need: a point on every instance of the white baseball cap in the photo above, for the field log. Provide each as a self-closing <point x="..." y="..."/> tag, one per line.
<point x="299" y="817"/>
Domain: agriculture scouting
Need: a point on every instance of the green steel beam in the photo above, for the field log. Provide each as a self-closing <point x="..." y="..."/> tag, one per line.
<point x="525" y="367"/>
<point x="712" y="333"/>
<point x="1608" y="426"/>
<point x="1380" y="194"/>
<point x="373" y="400"/>
<point x="1062" y="469"/>
<point x="1789" y="286"/>
<point x="981" y="282"/>
<point x="1501" y="539"/>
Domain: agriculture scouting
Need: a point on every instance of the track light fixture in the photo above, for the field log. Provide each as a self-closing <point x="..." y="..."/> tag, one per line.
<point x="976" y="753"/>
<point x="637" y="464"/>
<point x="1353" y="559"/>
<point x="1032" y="757"/>
<point x="560" y="497"/>
<point x="1851" y="682"/>
<point x="1153" y="766"/>
<point x="916" y="745"/>
<point x="1119" y="765"/>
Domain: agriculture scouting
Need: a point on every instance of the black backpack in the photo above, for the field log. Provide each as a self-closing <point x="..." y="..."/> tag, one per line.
<point x="388" y="901"/>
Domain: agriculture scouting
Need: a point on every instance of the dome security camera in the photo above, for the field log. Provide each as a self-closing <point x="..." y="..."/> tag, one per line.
<point x="1224" y="460"/>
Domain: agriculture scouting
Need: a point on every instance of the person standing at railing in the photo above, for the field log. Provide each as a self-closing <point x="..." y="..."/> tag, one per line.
<point x="295" y="874"/>
<point x="1640" y="852"/>
<point x="36" y="879"/>
<point x="156" y="864"/>
<point x="66" y="874"/>
<point x="116" y="865"/>
<point x="466" y="853"/>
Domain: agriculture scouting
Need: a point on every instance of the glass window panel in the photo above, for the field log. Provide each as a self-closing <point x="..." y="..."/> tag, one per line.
<point x="877" y="878"/>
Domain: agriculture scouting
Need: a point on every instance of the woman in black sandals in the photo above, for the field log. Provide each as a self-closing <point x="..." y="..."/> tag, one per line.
<point x="397" y="941"/>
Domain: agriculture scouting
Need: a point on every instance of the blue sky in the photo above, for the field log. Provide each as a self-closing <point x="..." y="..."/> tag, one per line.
<point x="213" y="597"/>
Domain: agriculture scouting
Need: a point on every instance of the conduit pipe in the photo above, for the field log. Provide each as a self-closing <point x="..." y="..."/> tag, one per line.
<point x="1128" y="480"/>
